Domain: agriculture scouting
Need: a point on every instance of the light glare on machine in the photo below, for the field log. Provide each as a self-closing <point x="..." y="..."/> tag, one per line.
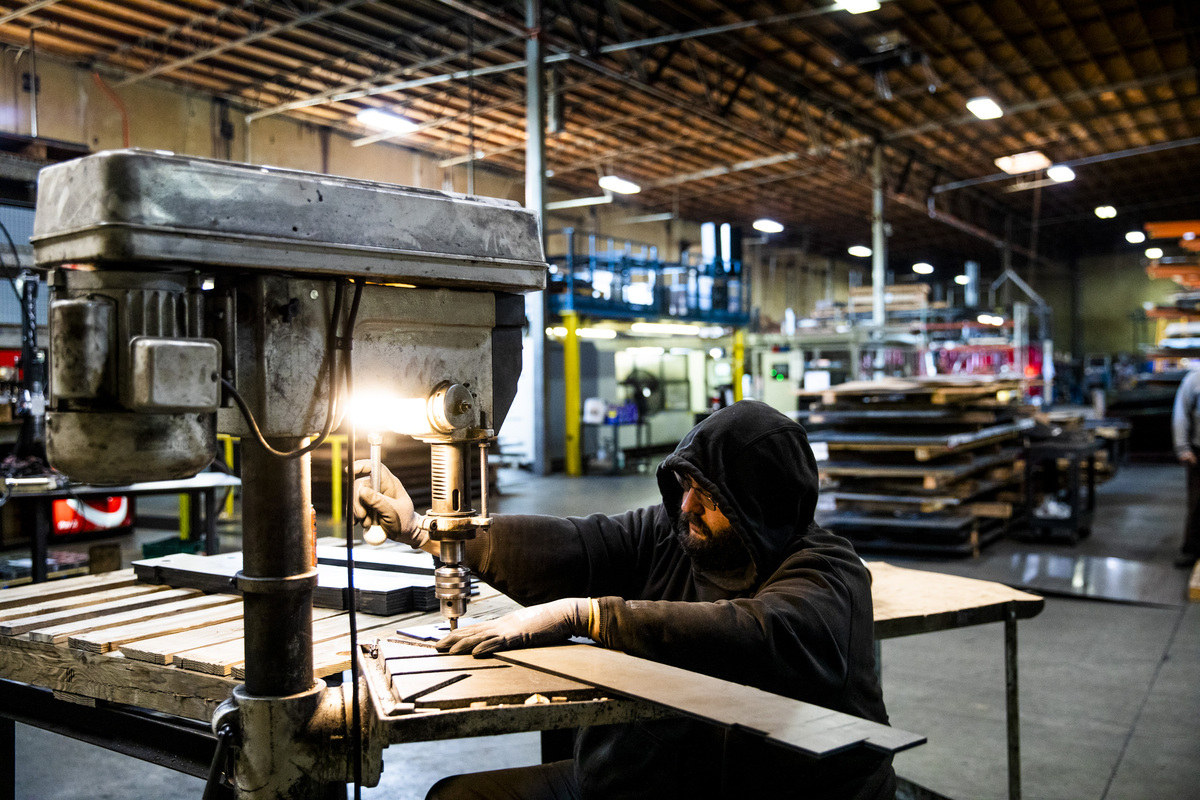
<point x="448" y="421"/>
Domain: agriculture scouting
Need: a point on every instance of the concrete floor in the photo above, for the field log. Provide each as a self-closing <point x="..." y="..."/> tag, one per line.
<point x="1109" y="690"/>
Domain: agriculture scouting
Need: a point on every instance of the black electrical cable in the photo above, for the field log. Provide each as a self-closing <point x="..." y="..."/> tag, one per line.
<point x="331" y="348"/>
<point x="8" y="271"/>
<point x="356" y="745"/>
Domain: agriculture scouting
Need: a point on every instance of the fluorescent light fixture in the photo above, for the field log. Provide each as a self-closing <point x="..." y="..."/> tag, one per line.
<point x="596" y="333"/>
<point x="1060" y="173"/>
<point x="1020" y="163"/>
<point x="858" y="6"/>
<point x="859" y="251"/>
<point x="1135" y="237"/>
<point x="712" y="332"/>
<point x="767" y="226"/>
<point x="560" y="332"/>
<point x="619" y="185"/>
<point x="962" y="280"/>
<point x="208" y="285"/>
<point x="716" y="352"/>
<point x="921" y="268"/>
<point x="984" y="108"/>
<point x="1189" y="236"/>
<point x="1153" y="252"/>
<point x="382" y="120"/>
<point x="1105" y="212"/>
<point x="990" y="319"/>
<point x="665" y="327"/>
<point x="646" y="351"/>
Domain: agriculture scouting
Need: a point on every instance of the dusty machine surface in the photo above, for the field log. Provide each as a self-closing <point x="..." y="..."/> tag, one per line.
<point x="191" y="297"/>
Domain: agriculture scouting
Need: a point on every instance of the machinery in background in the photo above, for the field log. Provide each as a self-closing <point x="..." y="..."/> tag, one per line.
<point x="192" y="297"/>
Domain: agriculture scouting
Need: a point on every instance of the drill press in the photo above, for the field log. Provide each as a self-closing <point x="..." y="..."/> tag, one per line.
<point x="192" y="296"/>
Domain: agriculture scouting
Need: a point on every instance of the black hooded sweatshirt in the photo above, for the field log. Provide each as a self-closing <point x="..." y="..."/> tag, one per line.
<point x="798" y="623"/>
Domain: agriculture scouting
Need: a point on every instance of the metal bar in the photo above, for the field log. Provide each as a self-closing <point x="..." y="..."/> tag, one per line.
<point x="212" y="541"/>
<point x="233" y="44"/>
<point x="492" y="19"/>
<point x="878" y="239"/>
<point x="1033" y="105"/>
<point x="8" y="759"/>
<point x="25" y="10"/>
<point x="1075" y="162"/>
<point x="535" y="200"/>
<point x="42" y="517"/>
<point x="1011" y="689"/>
<point x="172" y="742"/>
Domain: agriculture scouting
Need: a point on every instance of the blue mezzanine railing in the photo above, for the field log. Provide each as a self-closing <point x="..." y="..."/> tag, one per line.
<point x="623" y="281"/>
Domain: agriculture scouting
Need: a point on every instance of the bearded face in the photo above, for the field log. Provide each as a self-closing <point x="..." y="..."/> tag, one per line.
<point x="711" y="543"/>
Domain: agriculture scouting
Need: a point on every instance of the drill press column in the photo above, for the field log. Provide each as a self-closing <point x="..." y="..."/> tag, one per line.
<point x="277" y="577"/>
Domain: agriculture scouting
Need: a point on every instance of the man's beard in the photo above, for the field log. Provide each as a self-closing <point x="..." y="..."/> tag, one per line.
<point x="712" y="552"/>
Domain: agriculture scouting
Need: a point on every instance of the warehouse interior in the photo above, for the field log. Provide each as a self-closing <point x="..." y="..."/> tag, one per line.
<point x="955" y="240"/>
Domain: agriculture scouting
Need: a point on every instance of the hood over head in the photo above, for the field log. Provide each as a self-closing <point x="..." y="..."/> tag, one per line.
<point x="760" y="470"/>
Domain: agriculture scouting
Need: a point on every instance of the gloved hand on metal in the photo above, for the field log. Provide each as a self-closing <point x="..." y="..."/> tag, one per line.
<point x="545" y="624"/>
<point x="391" y="506"/>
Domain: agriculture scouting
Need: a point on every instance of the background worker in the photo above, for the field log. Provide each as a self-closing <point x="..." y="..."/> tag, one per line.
<point x="729" y="576"/>
<point x="1185" y="430"/>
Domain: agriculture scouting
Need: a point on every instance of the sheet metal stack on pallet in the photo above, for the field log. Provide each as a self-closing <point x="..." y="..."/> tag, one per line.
<point x="920" y="464"/>
<point x="389" y="580"/>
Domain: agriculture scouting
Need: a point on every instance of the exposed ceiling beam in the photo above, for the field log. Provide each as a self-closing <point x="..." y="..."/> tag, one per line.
<point x="25" y="10"/>
<point x="353" y="90"/>
<point x="233" y="44"/>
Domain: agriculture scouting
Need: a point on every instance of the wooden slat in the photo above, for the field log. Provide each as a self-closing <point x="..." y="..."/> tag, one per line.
<point x="1194" y="584"/>
<point x="109" y="639"/>
<point x="41" y="592"/>
<point x="331" y="641"/>
<point x="76" y="601"/>
<point x="61" y="633"/>
<point x="161" y="649"/>
<point x="215" y="659"/>
<point x="77" y="616"/>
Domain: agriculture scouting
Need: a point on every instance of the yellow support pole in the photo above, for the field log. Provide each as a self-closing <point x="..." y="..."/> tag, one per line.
<point x="739" y="362"/>
<point x="185" y="517"/>
<point x="574" y="405"/>
<point x="227" y="441"/>
<point x="335" y="465"/>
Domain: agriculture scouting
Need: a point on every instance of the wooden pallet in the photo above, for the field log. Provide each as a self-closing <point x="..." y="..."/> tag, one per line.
<point x="181" y="655"/>
<point x="1194" y="584"/>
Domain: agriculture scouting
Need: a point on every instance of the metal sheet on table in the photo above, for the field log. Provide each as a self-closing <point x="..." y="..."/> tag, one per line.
<point x="807" y="728"/>
<point x="1119" y="580"/>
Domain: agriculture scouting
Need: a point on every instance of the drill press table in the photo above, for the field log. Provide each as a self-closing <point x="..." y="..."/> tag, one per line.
<point x="85" y="658"/>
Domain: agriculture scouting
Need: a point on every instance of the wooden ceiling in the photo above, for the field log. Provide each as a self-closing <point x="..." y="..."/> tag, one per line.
<point x="724" y="109"/>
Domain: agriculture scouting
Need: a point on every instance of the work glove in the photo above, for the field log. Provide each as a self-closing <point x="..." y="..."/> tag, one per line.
<point x="545" y="624"/>
<point x="391" y="507"/>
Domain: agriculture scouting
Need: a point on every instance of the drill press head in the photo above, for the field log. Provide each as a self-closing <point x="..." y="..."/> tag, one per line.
<point x="176" y="274"/>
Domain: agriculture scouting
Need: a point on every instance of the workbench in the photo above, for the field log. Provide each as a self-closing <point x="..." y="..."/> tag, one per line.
<point x="112" y="684"/>
<point x="908" y="602"/>
<point x="202" y="489"/>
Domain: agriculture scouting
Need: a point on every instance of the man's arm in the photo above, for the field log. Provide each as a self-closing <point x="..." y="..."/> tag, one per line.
<point x="1181" y="418"/>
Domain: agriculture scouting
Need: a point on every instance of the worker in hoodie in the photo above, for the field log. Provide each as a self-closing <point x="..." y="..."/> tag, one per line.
<point x="729" y="576"/>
